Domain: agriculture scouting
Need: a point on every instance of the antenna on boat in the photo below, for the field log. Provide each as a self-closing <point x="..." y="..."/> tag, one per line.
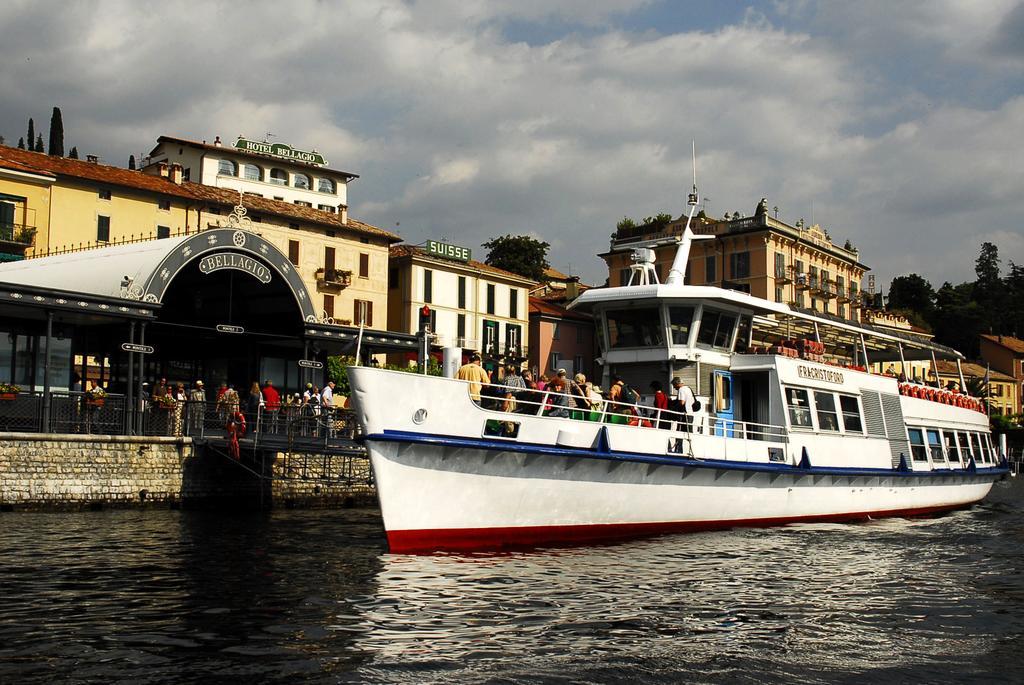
<point x="676" y="274"/>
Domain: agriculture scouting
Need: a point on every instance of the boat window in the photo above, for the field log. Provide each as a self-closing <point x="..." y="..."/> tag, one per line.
<point x="743" y="334"/>
<point x="992" y="450"/>
<point x="679" y="321"/>
<point x="501" y="429"/>
<point x="935" y="445"/>
<point x="715" y="329"/>
<point x="965" y="446"/>
<point x="635" y="328"/>
<point x="799" y="408"/>
<point x="917" y="449"/>
<point x="976" y="446"/>
<point x="851" y="414"/>
<point x="952" y="449"/>
<point x="825" y="403"/>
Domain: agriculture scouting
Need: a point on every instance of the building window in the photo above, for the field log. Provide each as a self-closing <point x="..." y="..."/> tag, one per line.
<point x="326" y="185"/>
<point x="780" y="265"/>
<point x="553" y="362"/>
<point x="709" y="269"/>
<point x="462" y="292"/>
<point x="163" y="232"/>
<point x="104" y="193"/>
<point x="739" y="265"/>
<point x="577" y="364"/>
<point x="164" y="205"/>
<point x="490" y="338"/>
<point x="363" y="313"/>
<point x="556" y="330"/>
<point x="253" y="173"/>
<point x="364" y="265"/>
<point x="293" y="252"/>
<point x="329" y="306"/>
<point x="513" y="303"/>
<point x="428" y="285"/>
<point x="187" y="175"/>
<point x="513" y="336"/>
<point x="490" y="298"/>
<point x="279" y="177"/>
<point x="460" y="328"/>
<point x="813" y="277"/>
<point x="103" y="229"/>
<point x="303" y="203"/>
<point x="226" y="167"/>
<point x="328" y="208"/>
<point x="302" y="181"/>
<point x="779" y="293"/>
<point x="328" y="259"/>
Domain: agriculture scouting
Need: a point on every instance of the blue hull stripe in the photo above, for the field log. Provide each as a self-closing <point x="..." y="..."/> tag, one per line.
<point x="534" y="448"/>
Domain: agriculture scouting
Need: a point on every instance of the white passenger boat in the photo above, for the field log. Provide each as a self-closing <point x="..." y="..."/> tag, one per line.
<point x="792" y="428"/>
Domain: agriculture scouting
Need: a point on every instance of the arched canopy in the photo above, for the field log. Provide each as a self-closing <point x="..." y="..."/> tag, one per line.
<point x="144" y="271"/>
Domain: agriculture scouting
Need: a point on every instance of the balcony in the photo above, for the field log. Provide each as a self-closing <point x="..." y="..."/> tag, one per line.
<point x="332" y="279"/>
<point x="15" y="238"/>
<point x="828" y="290"/>
<point x="800" y="280"/>
<point x="784" y="275"/>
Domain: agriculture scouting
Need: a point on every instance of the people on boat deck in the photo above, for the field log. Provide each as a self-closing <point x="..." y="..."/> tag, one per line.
<point x="513" y="382"/>
<point x="660" y="404"/>
<point x="530" y="398"/>
<point x="578" y="390"/>
<point x="475" y="374"/>
<point x="542" y="382"/>
<point x="558" y="397"/>
<point x="682" y="401"/>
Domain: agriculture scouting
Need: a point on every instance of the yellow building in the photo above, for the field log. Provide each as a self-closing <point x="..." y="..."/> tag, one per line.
<point x="1002" y="389"/>
<point x="74" y="205"/>
<point x="760" y="255"/>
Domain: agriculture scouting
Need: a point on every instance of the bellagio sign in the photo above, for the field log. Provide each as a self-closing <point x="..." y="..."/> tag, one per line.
<point x="238" y="262"/>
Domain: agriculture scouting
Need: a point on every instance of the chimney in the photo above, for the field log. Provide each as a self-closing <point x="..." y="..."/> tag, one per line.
<point x="176" y="173"/>
<point x="162" y="168"/>
<point x="92" y="159"/>
<point x="343" y="210"/>
<point x="572" y="288"/>
<point x="216" y="141"/>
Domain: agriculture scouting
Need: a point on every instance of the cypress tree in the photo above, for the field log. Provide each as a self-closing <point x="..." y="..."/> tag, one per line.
<point x="39" y="143"/>
<point x="73" y="154"/>
<point x="131" y="162"/>
<point x="31" y="132"/>
<point x="21" y="143"/>
<point x="56" y="133"/>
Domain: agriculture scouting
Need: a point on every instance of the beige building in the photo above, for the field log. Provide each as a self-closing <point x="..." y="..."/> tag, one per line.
<point x="472" y="305"/>
<point x="68" y="205"/>
<point x="1003" y="389"/>
<point x="761" y="255"/>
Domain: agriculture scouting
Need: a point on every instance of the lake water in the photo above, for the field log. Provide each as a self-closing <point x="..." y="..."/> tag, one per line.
<point x="312" y="596"/>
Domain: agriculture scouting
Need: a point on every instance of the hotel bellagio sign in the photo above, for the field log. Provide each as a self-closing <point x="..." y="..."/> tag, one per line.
<point x="238" y="262"/>
<point x="280" y="150"/>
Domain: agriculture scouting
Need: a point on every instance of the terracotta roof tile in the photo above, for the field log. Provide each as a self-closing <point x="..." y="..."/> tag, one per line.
<point x="405" y="250"/>
<point x="110" y="175"/>
<point x="1007" y="341"/>
<point x="539" y="306"/>
<point x="25" y="168"/>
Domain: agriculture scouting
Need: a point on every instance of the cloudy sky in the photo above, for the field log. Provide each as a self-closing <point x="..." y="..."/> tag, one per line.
<point x="898" y="125"/>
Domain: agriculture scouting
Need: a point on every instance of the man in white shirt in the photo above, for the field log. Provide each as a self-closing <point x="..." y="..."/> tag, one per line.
<point x="327" y="395"/>
<point x="682" y="401"/>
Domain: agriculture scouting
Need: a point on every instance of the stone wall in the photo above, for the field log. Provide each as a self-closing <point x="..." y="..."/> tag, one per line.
<point x="312" y="481"/>
<point x="75" y="471"/>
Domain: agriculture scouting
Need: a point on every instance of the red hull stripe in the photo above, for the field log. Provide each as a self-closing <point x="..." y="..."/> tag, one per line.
<point x="524" y="537"/>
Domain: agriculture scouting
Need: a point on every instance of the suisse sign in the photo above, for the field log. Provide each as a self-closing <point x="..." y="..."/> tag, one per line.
<point x="439" y="249"/>
<point x="238" y="262"/>
<point x="280" y="150"/>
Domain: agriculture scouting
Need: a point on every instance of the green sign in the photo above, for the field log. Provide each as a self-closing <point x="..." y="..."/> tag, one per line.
<point x="280" y="150"/>
<point x="448" y="251"/>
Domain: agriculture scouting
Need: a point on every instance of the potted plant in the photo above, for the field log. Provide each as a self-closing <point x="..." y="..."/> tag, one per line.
<point x="8" y="391"/>
<point x="96" y="397"/>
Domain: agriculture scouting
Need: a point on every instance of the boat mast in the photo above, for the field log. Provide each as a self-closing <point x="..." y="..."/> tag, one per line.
<point x="677" y="273"/>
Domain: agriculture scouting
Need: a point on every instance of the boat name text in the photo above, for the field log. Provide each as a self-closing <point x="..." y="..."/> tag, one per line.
<point x="814" y="374"/>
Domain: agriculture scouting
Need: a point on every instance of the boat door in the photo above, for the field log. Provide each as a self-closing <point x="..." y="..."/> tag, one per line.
<point x="725" y="413"/>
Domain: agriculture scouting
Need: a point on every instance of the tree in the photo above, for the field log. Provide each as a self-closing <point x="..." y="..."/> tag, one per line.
<point x="21" y="143"/>
<point x="31" y="133"/>
<point x="131" y="162"/>
<point x="912" y="293"/>
<point x="73" y="154"/>
<point x="56" y="134"/>
<point x="39" y="143"/>
<point x="519" y="254"/>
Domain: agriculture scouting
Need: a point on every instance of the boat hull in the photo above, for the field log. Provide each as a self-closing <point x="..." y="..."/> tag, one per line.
<point x="441" y="494"/>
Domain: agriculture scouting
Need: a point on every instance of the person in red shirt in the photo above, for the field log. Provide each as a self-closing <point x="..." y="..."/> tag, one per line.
<point x="272" y="402"/>
<point x="660" y="403"/>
